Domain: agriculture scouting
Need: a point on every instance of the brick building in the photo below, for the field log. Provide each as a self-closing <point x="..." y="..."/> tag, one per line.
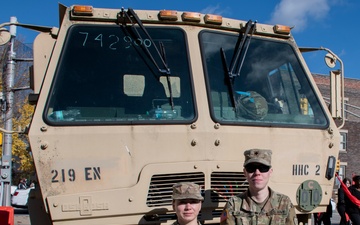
<point x="350" y="144"/>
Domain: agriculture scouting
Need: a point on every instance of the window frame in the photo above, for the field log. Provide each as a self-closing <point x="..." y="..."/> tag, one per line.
<point x="343" y="140"/>
<point x="185" y="96"/>
<point x="301" y="79"/>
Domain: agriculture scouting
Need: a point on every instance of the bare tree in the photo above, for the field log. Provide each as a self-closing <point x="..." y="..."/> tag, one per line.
<point x="22" y="162"/>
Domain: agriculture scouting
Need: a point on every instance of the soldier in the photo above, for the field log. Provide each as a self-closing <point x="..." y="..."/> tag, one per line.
<point x="186" y="203"/>
<point x="341" y="203"/>
<point x="259" y="204"/>
<point x="352" y="206"/>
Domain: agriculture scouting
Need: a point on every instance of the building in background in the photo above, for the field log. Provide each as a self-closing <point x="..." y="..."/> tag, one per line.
<point x="350" y="144"/>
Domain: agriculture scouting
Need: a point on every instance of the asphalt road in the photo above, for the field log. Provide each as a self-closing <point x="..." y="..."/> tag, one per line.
<point x="335" y="219"/>
<point x="22" y="217"/>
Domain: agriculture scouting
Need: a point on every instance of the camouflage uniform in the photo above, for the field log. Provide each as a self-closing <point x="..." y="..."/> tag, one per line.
<point x="177" y="223"/>
<point x="251" y="105"/>
<point x="242" y="210"/>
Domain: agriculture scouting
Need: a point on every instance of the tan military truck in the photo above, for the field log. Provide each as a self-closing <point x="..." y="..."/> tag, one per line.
<point x="129" y="102"/>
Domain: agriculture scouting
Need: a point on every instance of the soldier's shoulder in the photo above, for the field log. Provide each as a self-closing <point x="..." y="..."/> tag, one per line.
<point x="282" y="199"/>
<point x="280" y="195"/>
<point x="237" y="198"/>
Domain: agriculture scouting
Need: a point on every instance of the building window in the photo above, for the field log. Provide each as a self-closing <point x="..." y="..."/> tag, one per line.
<point x="343" y="140"/>
<point x="341" y="175"/>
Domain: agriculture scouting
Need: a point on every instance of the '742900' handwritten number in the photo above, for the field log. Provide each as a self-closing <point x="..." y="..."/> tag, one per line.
<point x="114" y="40"/>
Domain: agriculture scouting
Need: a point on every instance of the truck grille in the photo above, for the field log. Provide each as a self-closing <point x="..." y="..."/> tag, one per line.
<point x="160" y="190"/>
<point x="223" y="186"/>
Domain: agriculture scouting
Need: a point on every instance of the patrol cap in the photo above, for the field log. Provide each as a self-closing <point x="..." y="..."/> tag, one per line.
<point x="187" y="190"/>
<point x="262" y="156"/>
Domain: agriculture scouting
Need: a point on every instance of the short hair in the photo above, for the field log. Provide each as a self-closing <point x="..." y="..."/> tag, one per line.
<point x="356" y="178"/>
<point x="346" y="179"/>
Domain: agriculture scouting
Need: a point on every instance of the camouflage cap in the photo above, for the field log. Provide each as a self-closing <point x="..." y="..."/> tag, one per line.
<point x="262" y="156"/>
<point x="251" y="105"/>
<point x="187" y="190"/>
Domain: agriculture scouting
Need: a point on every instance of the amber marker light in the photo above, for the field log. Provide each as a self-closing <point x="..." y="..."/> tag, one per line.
<point x="168" y="15"/>
<point x="281" y="29"/>
<point x="83" y="10"/>
<point x="213" y="19"/>
<point x="191" y="16"/>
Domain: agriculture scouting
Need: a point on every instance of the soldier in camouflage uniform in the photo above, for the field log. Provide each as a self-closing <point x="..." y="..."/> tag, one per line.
<point x="259" y="204"/>
<point x="187" y="201"/>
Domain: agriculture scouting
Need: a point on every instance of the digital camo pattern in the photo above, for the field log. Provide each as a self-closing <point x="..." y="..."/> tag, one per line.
<point x="262" y="156"/>
<point x="241" y="210"/>
<point x="187" y="190"/>
<point x="252" y="106"/>
<point x="177" y="223"/>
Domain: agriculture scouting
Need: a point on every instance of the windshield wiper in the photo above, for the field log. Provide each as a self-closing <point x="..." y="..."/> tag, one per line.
<point x="131" y="16"/>
<point x="163" y="55"/>
<point x="238" y="58"/>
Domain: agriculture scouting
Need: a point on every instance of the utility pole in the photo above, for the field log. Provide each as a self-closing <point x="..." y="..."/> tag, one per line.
<point x="6" y="162"/>
<point x="7" y="100"/>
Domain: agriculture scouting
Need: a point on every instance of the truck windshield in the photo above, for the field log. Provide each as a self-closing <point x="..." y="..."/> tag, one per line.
<point x="104" y="75"/>
<point x="271" y="88"/>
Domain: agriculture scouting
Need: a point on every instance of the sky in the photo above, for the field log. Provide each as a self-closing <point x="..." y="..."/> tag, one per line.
<point x="316" y="23"/>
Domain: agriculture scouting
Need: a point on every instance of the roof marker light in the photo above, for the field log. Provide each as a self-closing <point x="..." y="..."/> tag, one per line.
<point x="82" y="10"/>
<point x="168" y="15"/>
<point x="281" y="29"/>
<point x="213" y="19"/>
<point x="191" y="16"/>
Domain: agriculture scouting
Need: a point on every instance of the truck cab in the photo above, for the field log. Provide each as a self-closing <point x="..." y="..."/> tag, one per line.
<point x="130" y="102"/>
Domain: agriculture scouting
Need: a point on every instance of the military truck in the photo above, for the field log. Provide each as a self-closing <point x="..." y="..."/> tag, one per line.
<point x="130" y="102"/>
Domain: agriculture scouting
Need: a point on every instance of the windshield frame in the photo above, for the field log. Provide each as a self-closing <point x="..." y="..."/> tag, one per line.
<point x="251" y="122"/>
<point x="188" y="80"/>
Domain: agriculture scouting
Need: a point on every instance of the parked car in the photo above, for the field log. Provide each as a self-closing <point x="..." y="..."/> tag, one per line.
<point x="20" y="198"/>
<point x="13" y="189"/>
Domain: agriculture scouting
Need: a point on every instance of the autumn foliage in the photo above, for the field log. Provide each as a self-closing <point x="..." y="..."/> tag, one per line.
<point x="20" y="149"/>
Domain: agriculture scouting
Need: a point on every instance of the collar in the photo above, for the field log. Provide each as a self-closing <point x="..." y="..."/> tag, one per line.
<point x="249" y="205"/>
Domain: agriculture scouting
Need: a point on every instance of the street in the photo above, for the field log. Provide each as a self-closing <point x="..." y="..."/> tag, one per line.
<point x="21" y="217"/>
<point x="335" y="220"/>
